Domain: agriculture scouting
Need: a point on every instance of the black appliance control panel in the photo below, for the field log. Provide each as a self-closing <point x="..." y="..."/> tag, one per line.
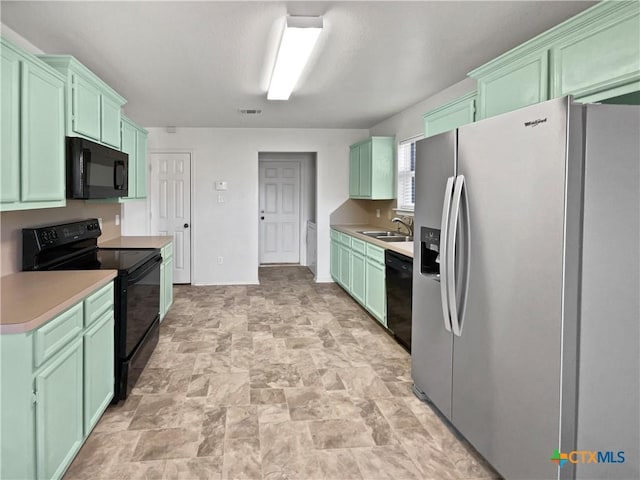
<point x="54" y="235"/>
<point x="47" y="238"/>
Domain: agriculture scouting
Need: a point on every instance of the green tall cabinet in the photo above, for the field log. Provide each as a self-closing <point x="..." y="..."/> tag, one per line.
<point x="33" y="151"/>
<point x="372" y="169"/>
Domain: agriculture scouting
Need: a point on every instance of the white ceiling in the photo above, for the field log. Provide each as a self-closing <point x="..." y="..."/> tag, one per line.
<point x="196" y="63"/>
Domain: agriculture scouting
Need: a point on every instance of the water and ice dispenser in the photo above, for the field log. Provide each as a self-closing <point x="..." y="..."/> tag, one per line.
<point x="430" y="252"/>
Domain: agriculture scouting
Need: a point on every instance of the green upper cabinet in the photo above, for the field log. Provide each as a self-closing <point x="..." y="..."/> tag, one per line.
<point x="32" y="162"/>
<point x="141" y="163"/>
<point x="134" y="144"/>
<point x="516" y="84"/>
<point x="372" y="169"/>
<point x="600" y="57"/>
<point x="593" y="56"/>
<point x="93" y="108"/>
<point x="450" y="115"/>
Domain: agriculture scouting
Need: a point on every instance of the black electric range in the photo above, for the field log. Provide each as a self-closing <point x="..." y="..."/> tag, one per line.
<point x="73" y="246"/>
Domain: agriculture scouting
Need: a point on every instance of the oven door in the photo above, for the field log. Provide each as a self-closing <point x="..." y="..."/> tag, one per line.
<point x="141" y="304"/>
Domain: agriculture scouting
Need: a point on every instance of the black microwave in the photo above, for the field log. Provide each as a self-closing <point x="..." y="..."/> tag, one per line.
<point x="95" y="171"/>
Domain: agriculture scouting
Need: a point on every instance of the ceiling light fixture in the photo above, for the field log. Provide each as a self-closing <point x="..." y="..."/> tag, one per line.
<point x="298" y="39"/>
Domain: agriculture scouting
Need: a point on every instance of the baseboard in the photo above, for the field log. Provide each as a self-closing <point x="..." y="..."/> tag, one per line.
<point x="325" y="280"/>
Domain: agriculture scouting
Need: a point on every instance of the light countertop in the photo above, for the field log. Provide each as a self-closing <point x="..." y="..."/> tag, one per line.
<point x="31" y="299"/>
<point x="404" y="248"/>
<point x="136" y="242"/>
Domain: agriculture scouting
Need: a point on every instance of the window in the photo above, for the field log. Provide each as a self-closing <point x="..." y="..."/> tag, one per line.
<point x="407" y="173"/>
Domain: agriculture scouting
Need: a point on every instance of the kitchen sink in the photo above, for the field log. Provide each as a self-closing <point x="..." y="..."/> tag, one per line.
<point x="387" y="236"/>
<point x="373" y="233"/>
<point x="395" y="238"/>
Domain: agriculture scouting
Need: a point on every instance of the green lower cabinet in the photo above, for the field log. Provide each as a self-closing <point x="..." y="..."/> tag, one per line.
<point x="168" y="285"/>
<point x="98" y="370"/>
<point x="59" y="431"/>
<point x="55" y="382"/>
<point x="166" y="280"/>
<point x="358" y="267"/>
<point x="335" y="260"/>
<point x="345" y="267"/>
<point x="450" y="115"/>
<point x="358" y="282"/>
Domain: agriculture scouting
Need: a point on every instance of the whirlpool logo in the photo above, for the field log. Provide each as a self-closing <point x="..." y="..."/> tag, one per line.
<point x="536" y="122"/>
<point x="587" y="456"/>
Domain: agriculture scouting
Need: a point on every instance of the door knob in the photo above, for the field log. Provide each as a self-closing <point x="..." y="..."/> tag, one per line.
<point x="186" y="225"/>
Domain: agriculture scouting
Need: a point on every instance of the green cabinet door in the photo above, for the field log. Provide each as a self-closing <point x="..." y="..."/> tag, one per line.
<point x="375" y="294"/>
<point x="372" y="169"/>
<point x="345" y="267"/>
<point x="87" y="102"/>
<point x="98" y="369"/>
<point x="334" y="252"/>
<point x="450" y="115"/>
<point x="601" y="59"/>
<point x="168" y="284"/>
<point x="129" y="147"/>
<point x="42" y="137"/>
<point x="59" y="410"/>
<point x="141" y="164"/>
<point x="516" y="85"/>
<point x="365" y="169"/>
<point x="354" y="171"/>
<point x="358" y="276"/>
<point x="10" y="123"/>
<point x="110" y="120"/>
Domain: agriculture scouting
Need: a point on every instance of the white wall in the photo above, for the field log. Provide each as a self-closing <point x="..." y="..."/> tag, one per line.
<point x="230" y="229"/>
<point x="408" y="123"/>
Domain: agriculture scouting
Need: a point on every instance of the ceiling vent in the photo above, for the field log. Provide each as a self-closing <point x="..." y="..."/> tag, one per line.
<point x="250" y="111"/>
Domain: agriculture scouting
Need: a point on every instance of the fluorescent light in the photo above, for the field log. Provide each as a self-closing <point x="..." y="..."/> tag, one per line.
<point x="298" y="39"/>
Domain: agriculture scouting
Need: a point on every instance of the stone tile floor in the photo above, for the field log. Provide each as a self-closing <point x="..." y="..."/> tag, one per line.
<point x="288" y="379"/>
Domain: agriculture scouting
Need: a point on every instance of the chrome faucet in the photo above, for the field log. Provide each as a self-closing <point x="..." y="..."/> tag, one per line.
<point x="408" y="226"/>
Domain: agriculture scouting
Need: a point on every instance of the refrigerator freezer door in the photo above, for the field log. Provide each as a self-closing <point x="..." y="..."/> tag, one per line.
<point x="431" y="344"/>
<point x="609" y="386"/>
<point x="507" y="362"/>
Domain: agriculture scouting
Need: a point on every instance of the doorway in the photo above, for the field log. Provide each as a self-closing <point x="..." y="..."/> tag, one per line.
<point x="287" y="191"/>
<point x="170" y="197"/>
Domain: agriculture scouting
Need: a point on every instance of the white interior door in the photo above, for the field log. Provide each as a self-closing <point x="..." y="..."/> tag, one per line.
<point x="171" y="207"/>
<point x="279" y="212"/>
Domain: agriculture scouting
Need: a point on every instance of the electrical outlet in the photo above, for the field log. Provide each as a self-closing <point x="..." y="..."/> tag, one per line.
<point x="377" y="213"/>
<point x="117" y="219"/>
<point x="220" y="198"/>
<point x="220" y="260"/>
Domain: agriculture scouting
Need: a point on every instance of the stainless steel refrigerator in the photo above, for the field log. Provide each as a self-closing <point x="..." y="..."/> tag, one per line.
<point x="526" y="287"/>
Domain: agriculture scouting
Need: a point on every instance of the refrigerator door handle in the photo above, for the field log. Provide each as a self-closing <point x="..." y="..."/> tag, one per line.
<point x="457" y="313"/>
<point x="444" y="229"/>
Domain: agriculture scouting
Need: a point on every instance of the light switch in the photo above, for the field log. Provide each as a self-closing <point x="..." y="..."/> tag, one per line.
<point x="220" y="198"/>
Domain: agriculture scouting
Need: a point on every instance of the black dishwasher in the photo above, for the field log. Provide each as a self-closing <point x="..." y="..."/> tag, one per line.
<point x="399" y="281"/>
